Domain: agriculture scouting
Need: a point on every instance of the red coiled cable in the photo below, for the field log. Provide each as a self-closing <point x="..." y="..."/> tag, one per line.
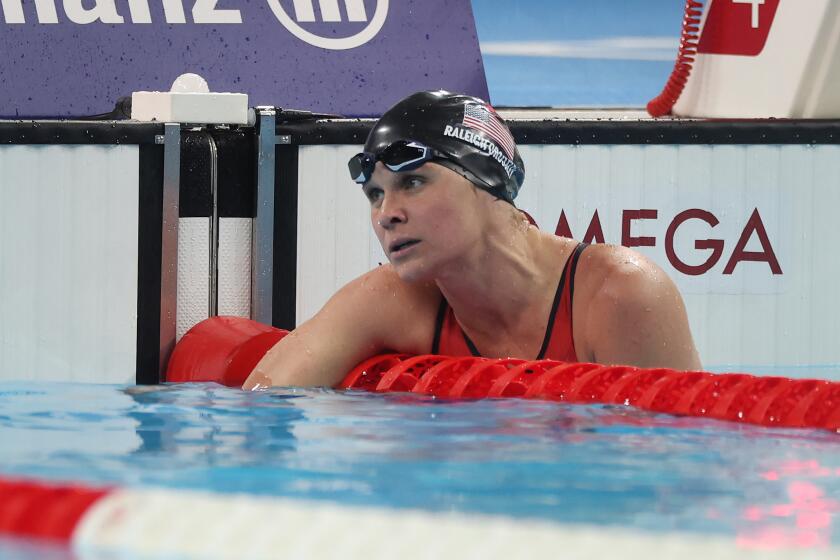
<point x="663" y="103"/>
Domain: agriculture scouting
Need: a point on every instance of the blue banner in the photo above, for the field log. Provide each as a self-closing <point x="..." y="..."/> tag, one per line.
<point x="71" y="58"/>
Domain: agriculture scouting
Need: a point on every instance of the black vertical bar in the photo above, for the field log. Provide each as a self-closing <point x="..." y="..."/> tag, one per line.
<point x="284" y="293"/>
<point x="149" y="252"/>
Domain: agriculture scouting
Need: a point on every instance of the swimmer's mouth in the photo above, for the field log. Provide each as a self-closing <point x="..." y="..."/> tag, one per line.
<point x="400" y="245"/>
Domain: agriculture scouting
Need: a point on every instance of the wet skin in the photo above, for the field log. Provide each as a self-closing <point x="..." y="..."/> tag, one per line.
<point x="444" y="236"/>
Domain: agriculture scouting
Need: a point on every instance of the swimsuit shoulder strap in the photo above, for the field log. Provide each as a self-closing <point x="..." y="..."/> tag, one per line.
<point x="450" y="338"/>
<point x="562" y="304"/>
<point x="441" y="315"/>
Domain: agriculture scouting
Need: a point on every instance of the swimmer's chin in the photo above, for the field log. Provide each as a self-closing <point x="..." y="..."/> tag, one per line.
<point x="413" y="274"/>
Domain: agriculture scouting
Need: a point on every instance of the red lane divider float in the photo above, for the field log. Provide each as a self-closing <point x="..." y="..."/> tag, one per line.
<point x="34" y="510"/>
<point x="221" y="349"/>
<point x="192" y="525"/>
<point x="225" y="349"/>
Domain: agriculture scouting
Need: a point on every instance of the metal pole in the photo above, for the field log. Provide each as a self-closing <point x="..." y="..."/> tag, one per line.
<point x="169" y="242"/>
<point x="262" y="276"/>
<point x="213" y="307"/>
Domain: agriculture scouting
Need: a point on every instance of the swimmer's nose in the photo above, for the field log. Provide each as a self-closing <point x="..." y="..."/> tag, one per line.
<point x="389" y="222"/>
<point x="390" y="213"/>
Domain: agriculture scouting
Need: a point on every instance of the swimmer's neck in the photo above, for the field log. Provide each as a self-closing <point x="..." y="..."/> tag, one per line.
<point x="505" y="280"/>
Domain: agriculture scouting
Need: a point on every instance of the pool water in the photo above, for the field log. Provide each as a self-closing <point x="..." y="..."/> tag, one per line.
<point x="573" y="464"/>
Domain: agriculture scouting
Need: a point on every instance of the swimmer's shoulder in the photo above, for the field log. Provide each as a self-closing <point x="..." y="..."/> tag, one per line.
<point x="609" y="273"/>
<point x="622" y="297"/>
<point x="603" y="262"/>
<point x="403" y="313"/>
<point x="385" y="286"/>
<point x="601" y="265"/>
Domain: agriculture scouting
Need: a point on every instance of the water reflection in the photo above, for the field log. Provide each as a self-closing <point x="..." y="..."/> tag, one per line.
<point x="15" y="549"/>
<point x="804" y="520"/>
<point x="604" y="465"/>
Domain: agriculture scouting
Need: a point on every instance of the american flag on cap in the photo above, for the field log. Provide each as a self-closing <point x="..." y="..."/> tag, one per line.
<point x="485" y="119"/>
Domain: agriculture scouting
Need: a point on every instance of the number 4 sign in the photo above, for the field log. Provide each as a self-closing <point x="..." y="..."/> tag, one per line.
<point x="737" y="27"/>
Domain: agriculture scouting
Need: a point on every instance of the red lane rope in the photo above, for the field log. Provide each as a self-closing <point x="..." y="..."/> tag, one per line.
<point x="662" y="104"/>
<point x="736" y="397"/>
<point x="224" y="349"/>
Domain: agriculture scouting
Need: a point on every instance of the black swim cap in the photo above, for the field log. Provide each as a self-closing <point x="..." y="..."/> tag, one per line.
<point x="474" y="139"/>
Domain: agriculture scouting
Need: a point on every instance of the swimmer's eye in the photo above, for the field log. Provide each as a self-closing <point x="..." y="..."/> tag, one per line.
<point x="373" y="194"/>
<point x="412" y="181"/>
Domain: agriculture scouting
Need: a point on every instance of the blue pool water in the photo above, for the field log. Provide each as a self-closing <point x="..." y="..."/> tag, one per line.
<point x="602" y="465"/>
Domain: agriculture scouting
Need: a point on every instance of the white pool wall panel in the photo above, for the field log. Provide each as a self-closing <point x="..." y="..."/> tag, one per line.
<point x="235" y="266"/>
<point x="193" y="273"/>
<point x="335" y="239"/>
<point x="234" y="280"/>
<point x="68" y="262"/>
<point x="751" y="317"/>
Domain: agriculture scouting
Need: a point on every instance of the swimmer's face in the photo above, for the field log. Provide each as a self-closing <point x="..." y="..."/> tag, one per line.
<point x="425" y="218"/>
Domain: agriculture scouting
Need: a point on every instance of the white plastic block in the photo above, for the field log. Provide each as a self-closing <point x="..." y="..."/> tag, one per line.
<point x="190" y="107"/>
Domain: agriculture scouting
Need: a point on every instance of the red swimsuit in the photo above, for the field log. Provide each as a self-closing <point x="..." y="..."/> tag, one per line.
<point x="558" y="344"/>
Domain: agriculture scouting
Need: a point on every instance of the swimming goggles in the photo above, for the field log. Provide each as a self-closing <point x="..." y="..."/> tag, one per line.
<point x="402" y="155"/>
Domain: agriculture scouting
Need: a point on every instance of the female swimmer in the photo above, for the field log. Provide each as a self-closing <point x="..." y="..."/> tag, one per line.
<point x="468" y="273"/>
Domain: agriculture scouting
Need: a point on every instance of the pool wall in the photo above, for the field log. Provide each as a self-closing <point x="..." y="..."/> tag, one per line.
<point x="99" y="281"/>
<point x="81" y="221"/>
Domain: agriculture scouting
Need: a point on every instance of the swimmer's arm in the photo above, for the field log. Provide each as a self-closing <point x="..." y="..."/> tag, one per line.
<point x="638" y="317"/>
<point x="359" y="321"/>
